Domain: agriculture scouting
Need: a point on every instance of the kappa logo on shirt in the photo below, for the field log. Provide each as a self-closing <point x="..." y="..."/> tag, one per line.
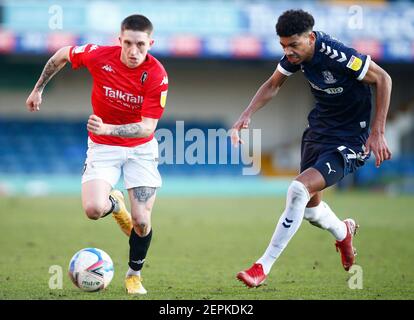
<point x="93" y="47"/>
<point x="164" y="80"/>
<point x="81" y="49"/>
<point x="108" y="68"/>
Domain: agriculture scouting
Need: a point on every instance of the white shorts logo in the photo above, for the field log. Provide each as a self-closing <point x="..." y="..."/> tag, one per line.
<point x="330" y="169"/>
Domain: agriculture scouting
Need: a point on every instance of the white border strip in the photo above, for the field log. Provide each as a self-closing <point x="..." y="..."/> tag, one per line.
<point x="284" y="71"/>
<point x="365" y="69"/>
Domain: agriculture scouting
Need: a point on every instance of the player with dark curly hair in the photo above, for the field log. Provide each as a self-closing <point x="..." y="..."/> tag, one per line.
<point x="338" y="139"/>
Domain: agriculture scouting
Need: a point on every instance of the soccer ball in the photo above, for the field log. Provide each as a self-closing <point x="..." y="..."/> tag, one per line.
<point x="91" y="269"/>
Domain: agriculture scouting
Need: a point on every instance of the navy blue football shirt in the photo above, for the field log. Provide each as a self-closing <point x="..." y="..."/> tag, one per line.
<point x="343" y="102"/>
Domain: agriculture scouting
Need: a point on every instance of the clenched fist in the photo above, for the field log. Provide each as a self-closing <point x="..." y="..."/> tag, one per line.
<point x="96" y="126"/>
<point x="33" y="101"/>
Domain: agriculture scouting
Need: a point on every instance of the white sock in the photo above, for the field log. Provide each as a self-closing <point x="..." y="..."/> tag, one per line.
<point x="289" y="223"/>
<point x="115" y="203"/>
<point x="323" y="217"/>
<point x="131" y="272"/>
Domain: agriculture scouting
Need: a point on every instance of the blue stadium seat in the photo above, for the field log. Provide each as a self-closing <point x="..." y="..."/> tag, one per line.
<point x="50" y="146"/>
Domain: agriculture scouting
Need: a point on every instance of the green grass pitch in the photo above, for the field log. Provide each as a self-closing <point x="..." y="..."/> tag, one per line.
<point x="199" y="244"/>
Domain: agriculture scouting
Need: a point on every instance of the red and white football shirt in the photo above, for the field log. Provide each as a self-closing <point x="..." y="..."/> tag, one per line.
<point x="122" y="95"/>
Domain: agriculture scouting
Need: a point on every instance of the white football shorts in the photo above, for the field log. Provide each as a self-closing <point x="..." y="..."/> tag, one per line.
<point x="139" y="164"/>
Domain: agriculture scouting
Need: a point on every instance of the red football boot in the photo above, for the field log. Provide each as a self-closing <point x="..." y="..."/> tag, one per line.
<point x="348" y="252"/>
<point x="252" y="277"/>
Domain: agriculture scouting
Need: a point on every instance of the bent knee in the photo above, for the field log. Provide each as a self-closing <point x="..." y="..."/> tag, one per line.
<point x="94" y="211"/>
<point x="297" y="189"/>
<point x="142" y="228"/>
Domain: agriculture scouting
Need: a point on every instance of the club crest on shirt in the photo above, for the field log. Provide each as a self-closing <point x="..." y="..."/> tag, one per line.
<point x="144" y="77"/>
<point x="328" y="77"/>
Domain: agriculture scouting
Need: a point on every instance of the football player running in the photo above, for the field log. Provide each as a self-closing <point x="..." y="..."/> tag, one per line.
<point x="128" y="98"/>
<point x="338" y="139"/>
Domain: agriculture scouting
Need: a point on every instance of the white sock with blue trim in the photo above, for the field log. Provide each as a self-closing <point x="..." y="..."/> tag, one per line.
<point x="323" y="217"/>
<point x="289" y="222"/>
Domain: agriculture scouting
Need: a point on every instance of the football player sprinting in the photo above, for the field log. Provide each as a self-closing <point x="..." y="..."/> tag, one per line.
<point x="338" y="139"/>
<point x="128" y="98"/>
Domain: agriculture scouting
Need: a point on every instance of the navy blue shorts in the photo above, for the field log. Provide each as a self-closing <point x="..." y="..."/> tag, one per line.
<point x="333" y="158"/>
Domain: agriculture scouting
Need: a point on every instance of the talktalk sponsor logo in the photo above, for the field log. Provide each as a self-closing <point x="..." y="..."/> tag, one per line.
<point x="124" y="96"/>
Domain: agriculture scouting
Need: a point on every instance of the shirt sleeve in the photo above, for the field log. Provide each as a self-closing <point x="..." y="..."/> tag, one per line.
<point x="80" y="55"/>
<point x="155" y="97"/>
<point x="352" y="62"/>
<point x="286" y="67"/>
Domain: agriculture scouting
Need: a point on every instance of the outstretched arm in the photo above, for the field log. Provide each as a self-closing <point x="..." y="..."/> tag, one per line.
<point x="55" y="63"/>
<point x="141" y="129"/>
<point x="376" y="141"/>
<point x="265" y="93"/>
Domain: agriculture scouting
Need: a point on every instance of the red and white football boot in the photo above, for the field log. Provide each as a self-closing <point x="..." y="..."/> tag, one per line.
<point x="252" y="277"/>
<point x="348" y="252"/>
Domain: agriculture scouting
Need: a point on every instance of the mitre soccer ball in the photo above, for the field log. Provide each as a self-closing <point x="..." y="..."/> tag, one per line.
<point x="91" y="269"/>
